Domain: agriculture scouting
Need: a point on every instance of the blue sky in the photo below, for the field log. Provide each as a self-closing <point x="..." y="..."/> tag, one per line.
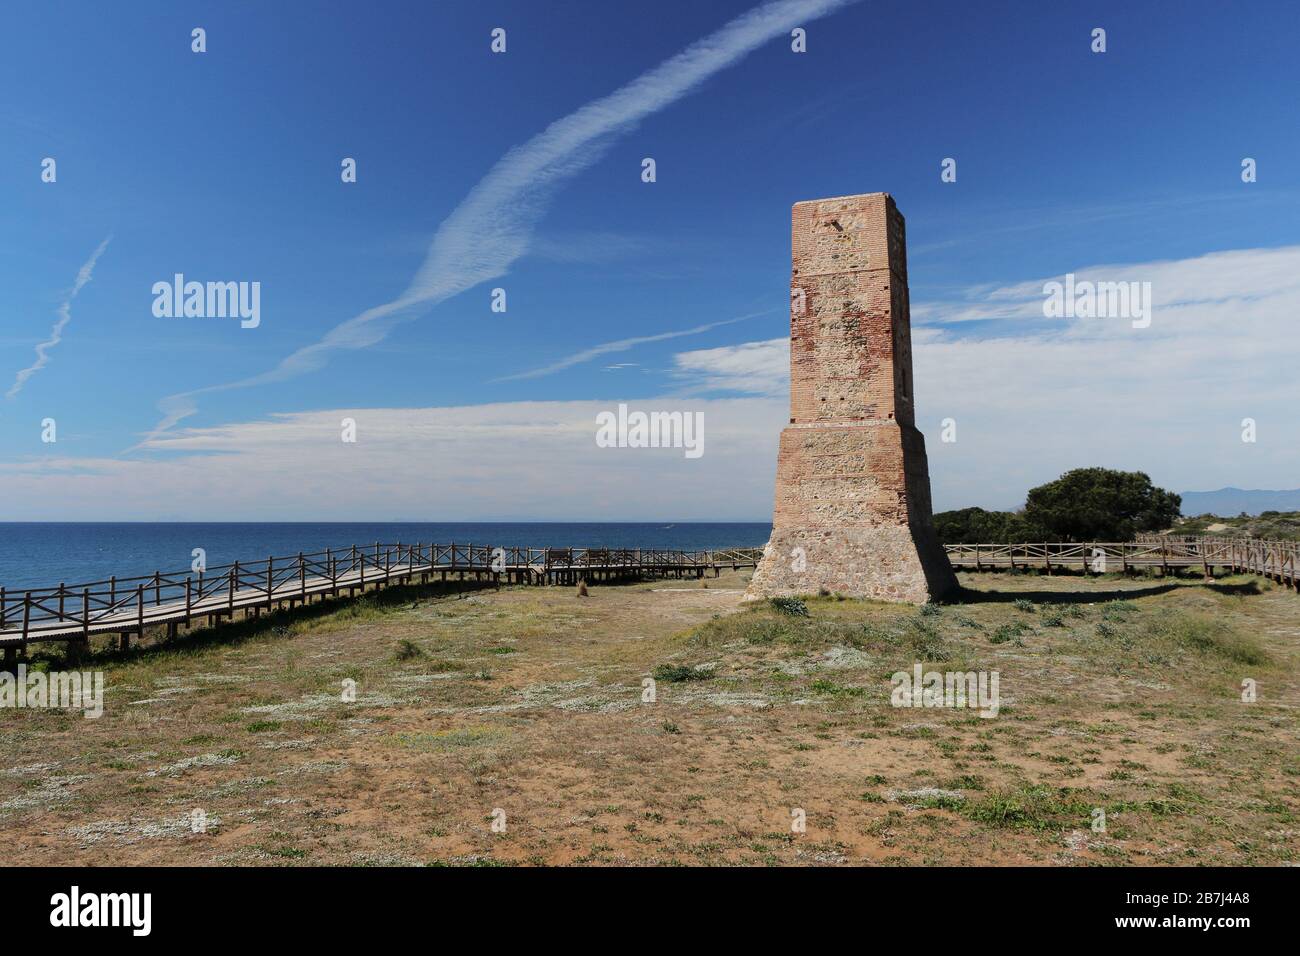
<point x="225" y="166"/>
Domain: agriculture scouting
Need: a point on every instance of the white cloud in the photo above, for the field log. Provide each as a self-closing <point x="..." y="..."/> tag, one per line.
<point x="1167" y="400"/>
<point x="65" y="316"/>
<point x="1029" y="404"/>
<point x="755" y="368"/>
<point x="1213" y="278"/>
<point x="493" y="226"/>
<point x="522" y="460"/>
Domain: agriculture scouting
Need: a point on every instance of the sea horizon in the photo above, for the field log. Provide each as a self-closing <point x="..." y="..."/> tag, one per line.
<point x="37" y="554"/>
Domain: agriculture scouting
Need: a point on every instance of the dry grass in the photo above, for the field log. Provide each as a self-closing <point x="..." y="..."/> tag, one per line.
<point x="1119" y="696"/>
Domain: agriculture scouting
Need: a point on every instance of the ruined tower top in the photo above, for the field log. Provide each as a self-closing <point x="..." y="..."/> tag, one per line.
<point x="850" y="332"/>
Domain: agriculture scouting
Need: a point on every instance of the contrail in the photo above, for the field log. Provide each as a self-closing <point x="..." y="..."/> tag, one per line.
<point x="621" y="345"/>
<point x="65" y="316"/>
<point x="493" y="225"/>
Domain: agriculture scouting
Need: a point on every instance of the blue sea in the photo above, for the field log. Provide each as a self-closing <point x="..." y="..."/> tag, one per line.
<point x="46" y="554"/>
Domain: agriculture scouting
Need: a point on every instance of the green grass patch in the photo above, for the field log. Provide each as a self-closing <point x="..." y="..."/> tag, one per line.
<point x="679" y="673"/>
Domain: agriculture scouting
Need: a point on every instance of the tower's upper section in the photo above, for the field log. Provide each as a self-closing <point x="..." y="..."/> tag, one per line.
<point x="850" y="331"/>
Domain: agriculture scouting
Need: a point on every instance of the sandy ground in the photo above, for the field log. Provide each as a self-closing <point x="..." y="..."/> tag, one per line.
<point x="515" y="727"/>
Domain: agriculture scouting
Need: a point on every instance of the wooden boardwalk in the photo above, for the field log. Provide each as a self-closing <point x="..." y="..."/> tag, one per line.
<point x="126" y="606"/>
<point x="1277" y="560"/>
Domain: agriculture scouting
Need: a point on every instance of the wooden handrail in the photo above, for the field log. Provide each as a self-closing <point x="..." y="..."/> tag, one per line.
<point x="119" y="603"/>
<point x="1272" y="559"/>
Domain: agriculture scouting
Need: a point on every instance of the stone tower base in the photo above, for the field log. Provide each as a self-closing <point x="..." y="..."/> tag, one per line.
<point x="853" y="517"/>
<point x="883" y="563"/>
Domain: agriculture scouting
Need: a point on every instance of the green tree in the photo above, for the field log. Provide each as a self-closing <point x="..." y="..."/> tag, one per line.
<point x="977" y="526"/>
<point x="1100" y="504"/>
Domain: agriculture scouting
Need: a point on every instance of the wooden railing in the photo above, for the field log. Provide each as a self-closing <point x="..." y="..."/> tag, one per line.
<point x="72" y="612"/>
<point x="1277" y="560"/>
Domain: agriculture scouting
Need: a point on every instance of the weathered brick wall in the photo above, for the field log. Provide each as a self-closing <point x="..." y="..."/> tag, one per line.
<point x="853" y="485"/>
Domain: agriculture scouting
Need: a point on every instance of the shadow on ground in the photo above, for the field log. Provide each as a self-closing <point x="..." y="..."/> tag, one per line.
<point x="968" y="596"/>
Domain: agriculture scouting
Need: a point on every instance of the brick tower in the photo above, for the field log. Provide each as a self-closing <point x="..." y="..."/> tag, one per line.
<point x="852" y="482"/>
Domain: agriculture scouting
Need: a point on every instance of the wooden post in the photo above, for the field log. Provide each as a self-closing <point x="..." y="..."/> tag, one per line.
<point x="85" y="616"/>
<point x="112" y="591"/>
<point x="189" y="601"/>
<point x="139" y="608"/>
<point x="270" y="581"/>
<point x="233" y="578"/>
<point x="157" y="593"/>
<point x="302" y="578"/>
<point x="4" y="613"/>
<point x="61" y="593"/>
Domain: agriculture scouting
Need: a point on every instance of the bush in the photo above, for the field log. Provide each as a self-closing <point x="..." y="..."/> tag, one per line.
<point x="408" y="650"/>
<point x="677" y="673"/>
<point x="1101" y="504"/>
<point x="1007" y="632"/>
<point x="792" y="606"/>
<point x="1086" y="504"/>
<point x="977" y="526"/>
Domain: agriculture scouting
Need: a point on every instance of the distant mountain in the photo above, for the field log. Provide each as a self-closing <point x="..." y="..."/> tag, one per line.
<point x="1233" y="501"/>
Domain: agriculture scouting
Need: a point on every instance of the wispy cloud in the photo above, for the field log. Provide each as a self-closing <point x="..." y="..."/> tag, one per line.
<point x="1028" y="404"/>
<point x="459" y="463"/>
<point x="65" y="316"/>
<point x="1213" y="277"/>
<point x="1032" y="399"/>
<point x="621" y="345"/>
<point x="493" y="226"/>
<point x="752" y="368"/>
